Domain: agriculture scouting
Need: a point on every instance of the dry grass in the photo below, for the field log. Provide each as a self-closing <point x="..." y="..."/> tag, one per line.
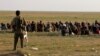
<point x="53" y="45"/>
<point x="52" y="16"/>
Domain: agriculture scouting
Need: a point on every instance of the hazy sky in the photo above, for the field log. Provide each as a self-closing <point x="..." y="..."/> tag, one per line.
<point x="51" y="5"/>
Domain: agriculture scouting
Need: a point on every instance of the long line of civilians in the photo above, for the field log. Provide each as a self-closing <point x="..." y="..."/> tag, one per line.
<point x="76" y="28"/>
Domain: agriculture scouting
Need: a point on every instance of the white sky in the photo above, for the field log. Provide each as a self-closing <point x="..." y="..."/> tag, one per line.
<point x="50" y="5"/>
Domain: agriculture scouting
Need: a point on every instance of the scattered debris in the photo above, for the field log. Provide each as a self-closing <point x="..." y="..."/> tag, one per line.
<point x="34" y="48"/>
<point x="93" y="49"/>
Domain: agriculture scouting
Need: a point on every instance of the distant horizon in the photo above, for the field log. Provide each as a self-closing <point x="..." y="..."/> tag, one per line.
<point x="49" y="11"/>
<point x="51" y="5"/>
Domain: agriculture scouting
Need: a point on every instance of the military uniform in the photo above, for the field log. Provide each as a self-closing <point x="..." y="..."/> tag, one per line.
<point x="18" y="31"/>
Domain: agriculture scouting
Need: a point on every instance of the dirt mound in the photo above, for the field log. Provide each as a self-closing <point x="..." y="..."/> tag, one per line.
<point x="18" y="53"/>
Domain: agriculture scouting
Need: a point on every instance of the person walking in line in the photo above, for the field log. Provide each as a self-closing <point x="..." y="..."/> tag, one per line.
<point x="18" y="30"/>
